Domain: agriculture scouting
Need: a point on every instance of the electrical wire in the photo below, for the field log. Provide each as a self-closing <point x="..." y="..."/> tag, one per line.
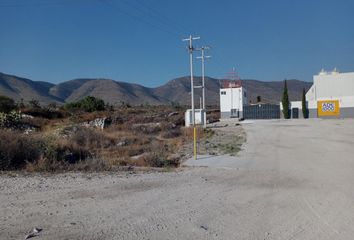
<point x="146" y="13"/>
<point x="38" y="4"/>
<point x="166" y="20"/>
<point x="143" y="13"/>
<point x="140" y="19"/>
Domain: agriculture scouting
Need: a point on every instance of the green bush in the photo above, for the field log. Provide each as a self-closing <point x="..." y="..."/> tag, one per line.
<point x="7" y="104"/>
<point x="87" y="104"/>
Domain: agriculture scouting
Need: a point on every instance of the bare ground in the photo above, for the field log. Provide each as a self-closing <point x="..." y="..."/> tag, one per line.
<point x="219" y="138"/>
<point x="292" y="180"/>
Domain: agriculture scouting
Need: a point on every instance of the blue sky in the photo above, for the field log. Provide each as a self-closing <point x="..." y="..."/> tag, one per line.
<point x="140" y="40"/>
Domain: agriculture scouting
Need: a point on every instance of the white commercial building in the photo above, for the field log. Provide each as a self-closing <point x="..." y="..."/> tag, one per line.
<point x="232" y="99"/>
<point x="330" y="96"/>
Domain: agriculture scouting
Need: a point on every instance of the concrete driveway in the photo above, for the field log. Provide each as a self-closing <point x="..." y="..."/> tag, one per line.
<point x="307" y="167"/>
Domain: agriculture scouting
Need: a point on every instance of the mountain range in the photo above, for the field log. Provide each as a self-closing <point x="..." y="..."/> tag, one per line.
<point x="176" y="90"/>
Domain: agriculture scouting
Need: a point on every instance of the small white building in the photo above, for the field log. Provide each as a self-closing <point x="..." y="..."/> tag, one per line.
<point x="331" y="95"/>
<point x="232" y="99"/>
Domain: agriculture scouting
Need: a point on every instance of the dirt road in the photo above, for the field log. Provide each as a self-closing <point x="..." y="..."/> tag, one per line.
<point x="292" y="180"/>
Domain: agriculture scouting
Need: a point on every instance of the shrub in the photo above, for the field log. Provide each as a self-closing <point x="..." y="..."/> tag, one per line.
<point x="171" y="133"/>
<point x="7" y="104"/>
<point x="87" y="104"/>
<point x="45" y="165"/>
<point x="17" y="149"/>
<point x="44" y="112"/>
<point x="91" y="139"/>
<point x="146" y="128"/>
<point x="34" y="103"/>
<point x="10" y="120"/>
<point x="176" y="105"/>
<point x="157" y="158"/>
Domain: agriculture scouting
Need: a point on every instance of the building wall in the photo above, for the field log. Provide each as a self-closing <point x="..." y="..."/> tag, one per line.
<point x="312" y="107"/>
<point x="232" y="98"/>
<point x="332" y="86"/>
<point x="224" y="115"/>
<point x="310" y="95"/>
<point x="347" y="112"/>
<point x="313" y="113"/>
<point x="346" y="105"/>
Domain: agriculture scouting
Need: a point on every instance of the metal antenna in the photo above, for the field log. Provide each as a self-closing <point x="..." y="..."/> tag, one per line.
<point x="191" y="49"/>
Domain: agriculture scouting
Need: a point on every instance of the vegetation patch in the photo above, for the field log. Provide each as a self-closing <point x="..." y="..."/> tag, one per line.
<point x="87" y="104"/>
<point x="231" y="148"/>
<point x="89" y="135"/>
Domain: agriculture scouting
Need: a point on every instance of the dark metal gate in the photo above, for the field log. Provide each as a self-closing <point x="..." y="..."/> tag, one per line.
<point x="261" y="111"/>
<point x="235" y="113"/>
<point x="295" y="113"/>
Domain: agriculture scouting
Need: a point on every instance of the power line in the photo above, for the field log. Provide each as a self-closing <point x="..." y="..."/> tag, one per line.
<point x="145" y="13"/>
<point x="164" y="18"/>
<point x="139" y="19"/>
<point x="155" y="21"/>
<point x="38" y="4"/>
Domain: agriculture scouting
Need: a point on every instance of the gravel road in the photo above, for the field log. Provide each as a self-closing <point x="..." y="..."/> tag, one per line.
<point x="292" y="180"/>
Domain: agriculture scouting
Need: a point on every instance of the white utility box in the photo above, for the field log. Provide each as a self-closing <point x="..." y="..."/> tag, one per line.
<point x="200" y="117"/>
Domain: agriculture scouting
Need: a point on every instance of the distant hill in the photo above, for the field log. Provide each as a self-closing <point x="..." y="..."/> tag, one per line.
<point x="21" y="88"/>
<point x="272" y="91"/>
<point x="176" y="90"/>
<point x="108" y="90"/>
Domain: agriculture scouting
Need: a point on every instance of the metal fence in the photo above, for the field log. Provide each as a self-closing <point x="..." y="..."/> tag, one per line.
<point x="261" y="111"/>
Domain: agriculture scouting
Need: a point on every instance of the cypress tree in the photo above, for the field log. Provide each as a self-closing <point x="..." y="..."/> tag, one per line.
<point x="259" y="99"/>
<point x="285" y="101"/>
<point x="304" y="107"/>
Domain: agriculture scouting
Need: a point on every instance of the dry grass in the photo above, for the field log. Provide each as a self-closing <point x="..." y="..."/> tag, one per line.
<point x="16" y="149"/>
<point x="139" y="136"/>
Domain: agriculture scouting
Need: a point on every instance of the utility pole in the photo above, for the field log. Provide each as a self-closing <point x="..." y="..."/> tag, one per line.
<point x="191" y="49"/>
<point x="203" y="57"/>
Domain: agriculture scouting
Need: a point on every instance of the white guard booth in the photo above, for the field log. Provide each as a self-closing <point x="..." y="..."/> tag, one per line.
<point x="232" y="99"/>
